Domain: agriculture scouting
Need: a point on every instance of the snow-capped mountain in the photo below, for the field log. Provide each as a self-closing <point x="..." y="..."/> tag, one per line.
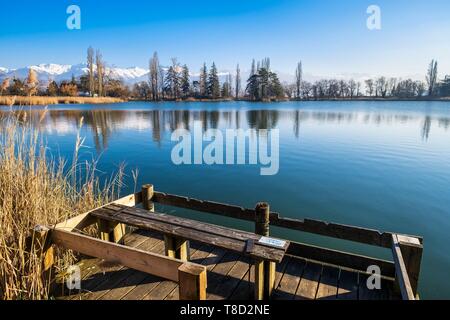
<point x="58" y="73"/>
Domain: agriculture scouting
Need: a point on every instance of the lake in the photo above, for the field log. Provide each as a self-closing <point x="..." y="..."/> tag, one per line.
<point x="381" y="165"/>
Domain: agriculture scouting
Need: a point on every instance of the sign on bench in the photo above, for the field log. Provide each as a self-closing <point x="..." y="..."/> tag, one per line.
<point x="277" y="243"/>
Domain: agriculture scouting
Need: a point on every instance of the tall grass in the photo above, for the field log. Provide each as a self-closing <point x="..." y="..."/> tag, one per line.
<point x="43" y="101"/>
<point x="39" y="189"/>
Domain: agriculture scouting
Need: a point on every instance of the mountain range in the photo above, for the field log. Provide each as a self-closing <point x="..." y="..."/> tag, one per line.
<point x="60" y="72"/>
<point x="132" y="75"/>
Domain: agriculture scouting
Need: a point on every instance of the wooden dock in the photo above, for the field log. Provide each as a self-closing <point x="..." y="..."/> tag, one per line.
<point x="143" y="255"/>
<point x="228" y="278"/>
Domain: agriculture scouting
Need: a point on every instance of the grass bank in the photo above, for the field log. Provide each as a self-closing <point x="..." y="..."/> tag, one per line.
<point x="36" y="189"/>
<point x="43" y="101"/>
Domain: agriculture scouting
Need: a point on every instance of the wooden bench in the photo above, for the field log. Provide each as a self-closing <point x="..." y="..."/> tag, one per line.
<point x="178" y="231"/>
<point x="191" y="277"/>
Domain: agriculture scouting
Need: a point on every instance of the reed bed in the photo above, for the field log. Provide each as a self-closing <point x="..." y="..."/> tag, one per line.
<point x="36" y="189"/>
<point x="44" y="101"/>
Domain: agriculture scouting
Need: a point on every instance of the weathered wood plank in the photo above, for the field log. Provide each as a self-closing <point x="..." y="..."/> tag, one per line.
<point x="218" y="275"/>
<point x="412" y="249"/>
<point x="229" y="283"/>
<point x="204" y="206"/>
<point x="348" y="285"/>
<point x="340" y="231"/>
<point x="95" y="274"/>
<point x="401" y="273"/>
<point x="262" y="252"/>
<point x="339" y="258"/>
<point x="192" y="282"/>
<point x="307" y="289"/>
<point x="131" y="257"/>
<point x="135" y="278"/>
<point x="149" y="283"/>
<point x="328" y="285"/>
<point x="246" y="287"/>
<point x="201" y="226"/>
<point x="290" y="280"/>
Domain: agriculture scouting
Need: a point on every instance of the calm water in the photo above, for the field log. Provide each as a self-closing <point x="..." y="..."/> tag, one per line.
<point x="383" y="165"/>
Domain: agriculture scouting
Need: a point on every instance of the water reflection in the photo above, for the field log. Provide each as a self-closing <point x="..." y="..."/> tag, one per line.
<point x="102" y="123"/>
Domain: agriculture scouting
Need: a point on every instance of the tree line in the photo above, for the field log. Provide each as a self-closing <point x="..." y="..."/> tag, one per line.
<point x="175" y="83"/>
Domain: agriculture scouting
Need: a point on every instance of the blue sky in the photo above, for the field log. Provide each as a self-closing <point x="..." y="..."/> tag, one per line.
<point x="329" y="36"/>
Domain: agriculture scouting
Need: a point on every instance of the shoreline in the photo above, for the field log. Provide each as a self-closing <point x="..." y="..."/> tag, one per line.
<point x="44" y="100"/>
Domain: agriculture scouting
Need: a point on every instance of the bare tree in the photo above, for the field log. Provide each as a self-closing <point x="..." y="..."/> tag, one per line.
<point x="432" y="77"/>
<point x="298" y="78"/>
<point x="100" y="72"/>
<point x="352" y="86"/>
<point x="369" y="87"/>
<point x="32" y="83"/>
<point x="4" y="86"/>
<point x="238" y="82"/>
<point x="154" y="76"/>
<point x="90" y="65"/>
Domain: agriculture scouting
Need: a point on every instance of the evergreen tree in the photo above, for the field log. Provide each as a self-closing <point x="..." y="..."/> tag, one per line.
<point x="173" y="80"/>
<point x="275" y="87"/>
<point x="185" y="81"/>
<point x="213" y="83"/>
<point x="252" y="88"/>
<point x="253" y="70"/>
<point x="203" y="80"/>
<point x="52" y="89"/>
<point x="263" y="83"/>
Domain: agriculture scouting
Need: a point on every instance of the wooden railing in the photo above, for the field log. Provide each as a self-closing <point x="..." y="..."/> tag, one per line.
<point x="407" y="251"/>
<point x="191" y="277"/>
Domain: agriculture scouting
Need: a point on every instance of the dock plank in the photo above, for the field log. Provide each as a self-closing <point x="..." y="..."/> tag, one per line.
<point x="309" y="283"/>
<point x="328" y="285"/>
<point x="348" y="285"/>
<point x="290" y="280"/>
<point x="228" y="274"/>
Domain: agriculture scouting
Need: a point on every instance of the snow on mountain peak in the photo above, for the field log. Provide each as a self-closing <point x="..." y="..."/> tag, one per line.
<point x="51" y="68"/>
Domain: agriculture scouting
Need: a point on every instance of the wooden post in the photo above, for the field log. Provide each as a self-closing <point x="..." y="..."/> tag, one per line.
<point x="118" y="232"/>
<point x="182" y="250"/>
<point x="104" y="230"/>
<point x="262" y="219"/>
<point x="411" y="249"/>
<point x="174" y="248"/>
<point x="192" y="282"/>
<point x="170" y="246"/>
<point x="147" y="195"/>
<point x="41" y="245"/>
<point x="264" y="288"/>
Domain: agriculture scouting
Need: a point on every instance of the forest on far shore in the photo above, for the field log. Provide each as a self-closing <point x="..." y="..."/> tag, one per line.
<point x="175" y="83"/>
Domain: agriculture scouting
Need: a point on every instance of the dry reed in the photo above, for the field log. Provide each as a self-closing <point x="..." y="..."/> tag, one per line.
<point x="43" y="101"/>
<point x="37" y="189"/>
